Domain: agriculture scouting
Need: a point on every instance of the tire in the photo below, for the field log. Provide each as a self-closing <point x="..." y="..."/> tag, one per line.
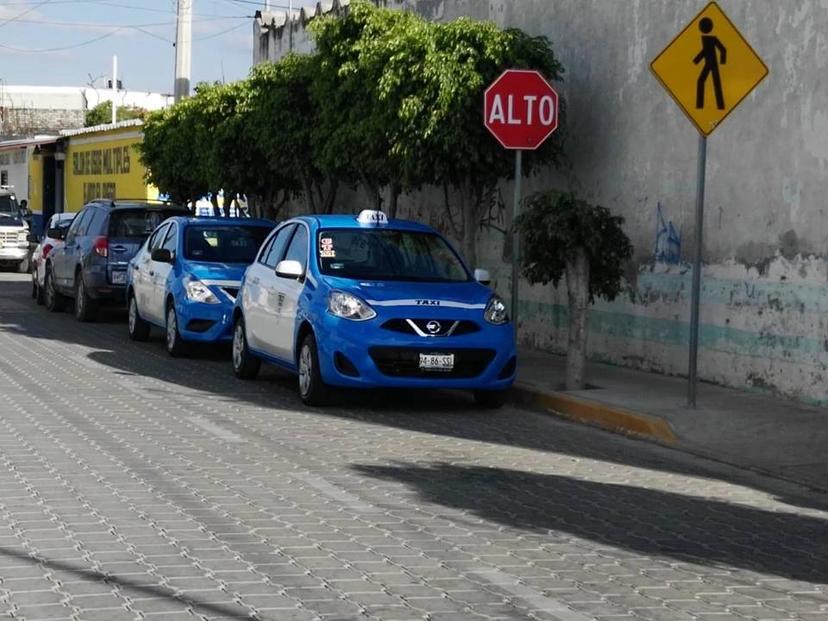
<point x="245" y="364"/>
<point x="86" y="308"/>
<point x="312" y="389"/>
<point x="139" y="330"/>
<point x="52" y="298"/>
<point x="490" y="399"/>
<point x="34" y="287"/>
<point x="176" y="347"/>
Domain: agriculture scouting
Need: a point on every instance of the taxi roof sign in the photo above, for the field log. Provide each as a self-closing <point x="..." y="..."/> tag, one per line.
<point x="709" y="68"/>
<point x="372" y="217"/>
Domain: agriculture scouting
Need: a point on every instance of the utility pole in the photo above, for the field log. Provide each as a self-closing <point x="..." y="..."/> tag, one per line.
<point x="114" y="90"/>
<point x="183" y="49"/>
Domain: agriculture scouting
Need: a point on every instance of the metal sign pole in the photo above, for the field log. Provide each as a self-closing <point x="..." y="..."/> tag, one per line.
<point x="515" y="239"/>
<point x="697" y="268"/>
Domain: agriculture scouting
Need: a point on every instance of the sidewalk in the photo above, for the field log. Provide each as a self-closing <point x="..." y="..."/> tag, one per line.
<point x="778" y="437"/>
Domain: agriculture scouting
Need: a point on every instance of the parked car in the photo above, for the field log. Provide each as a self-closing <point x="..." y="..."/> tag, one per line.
<point x="14" y="232"/>
<point x="55" y="234"/>
<point x="91" y="267"/>
<point x="185" y="278"/>
<point x="370" y="302"/>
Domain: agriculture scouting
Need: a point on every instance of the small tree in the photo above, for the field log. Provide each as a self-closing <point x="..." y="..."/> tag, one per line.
<point x="563" y="236"/>
<point x="102" y="114"/>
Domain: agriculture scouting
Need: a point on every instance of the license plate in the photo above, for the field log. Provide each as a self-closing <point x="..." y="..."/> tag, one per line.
<point x="436" y="362"/>
<point x="118" y="278"/>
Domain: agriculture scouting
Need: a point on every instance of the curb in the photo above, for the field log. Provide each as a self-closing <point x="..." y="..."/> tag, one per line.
<point x="595" y="413"/>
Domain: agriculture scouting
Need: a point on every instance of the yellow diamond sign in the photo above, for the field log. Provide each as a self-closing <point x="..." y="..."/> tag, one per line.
<point x="709" y="68"/>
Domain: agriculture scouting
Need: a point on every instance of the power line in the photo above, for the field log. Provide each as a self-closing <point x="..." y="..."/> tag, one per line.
<point x="136" y="26"/>
<point x="219" y="34"/>
<point x="58" y="49"/>
<point x="26" y="12"/>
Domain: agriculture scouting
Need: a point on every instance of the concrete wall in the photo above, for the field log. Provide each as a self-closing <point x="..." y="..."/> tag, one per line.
<point x="765" y="283"/>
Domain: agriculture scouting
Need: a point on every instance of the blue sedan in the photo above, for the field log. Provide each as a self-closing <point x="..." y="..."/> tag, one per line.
<point x="369" y="302"/>
<point x="185" y="278"/>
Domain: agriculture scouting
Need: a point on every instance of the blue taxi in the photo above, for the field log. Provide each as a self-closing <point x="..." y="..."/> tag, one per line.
<point x="364" y="301"/>
<point x="185" y="278"/>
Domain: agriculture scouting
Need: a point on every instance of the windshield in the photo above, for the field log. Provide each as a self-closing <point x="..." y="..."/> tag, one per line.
<point x="137" y="223"/>
<point x="224" y="244"/>
<point x="8" y="205"/>
<point x="374" y="254"/>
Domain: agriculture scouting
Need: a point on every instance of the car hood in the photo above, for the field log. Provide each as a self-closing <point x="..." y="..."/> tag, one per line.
<point x="216" y="271"/>
<point x="384" y="293"/>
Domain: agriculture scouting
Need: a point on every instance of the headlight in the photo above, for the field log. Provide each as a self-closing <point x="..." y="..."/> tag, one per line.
<point x="23" y="237"/>
<point x="197" y="291"/>
<point x="349" y="306"/>
<point x="496" y="312"/>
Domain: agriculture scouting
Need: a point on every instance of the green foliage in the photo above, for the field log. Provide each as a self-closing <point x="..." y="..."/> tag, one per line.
<point x="102" y="114"/>
<point x="553" y="224"/>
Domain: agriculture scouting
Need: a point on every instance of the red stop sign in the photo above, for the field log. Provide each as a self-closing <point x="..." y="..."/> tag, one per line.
<point x="521" y="109"/>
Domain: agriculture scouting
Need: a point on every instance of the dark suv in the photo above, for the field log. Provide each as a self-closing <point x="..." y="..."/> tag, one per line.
<point x="91" y="266"/>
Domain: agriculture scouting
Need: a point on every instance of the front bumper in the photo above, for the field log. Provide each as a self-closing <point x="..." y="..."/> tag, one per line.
<point x="14" y="253"/>
<point x="365" y="355"/>
<point x="204" y="323"/>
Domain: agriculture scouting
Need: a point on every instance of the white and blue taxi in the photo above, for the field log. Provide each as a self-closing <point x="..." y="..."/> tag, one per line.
<point x="366" y="302"/>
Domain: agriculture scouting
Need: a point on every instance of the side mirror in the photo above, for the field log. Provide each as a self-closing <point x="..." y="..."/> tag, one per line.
<point x="162" y="255"/>
<point x="289" y="269"/>
<point x="56" y="233"/>
<point x="483" y="277"/>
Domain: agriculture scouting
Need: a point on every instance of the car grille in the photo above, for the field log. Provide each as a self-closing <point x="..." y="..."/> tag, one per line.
<point x="405" y="361"/>
<point x="8" y="237"/>
<point x="432" y="327"/>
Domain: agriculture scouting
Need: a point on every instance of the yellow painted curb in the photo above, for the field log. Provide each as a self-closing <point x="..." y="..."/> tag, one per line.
<point x="595" y="413"/>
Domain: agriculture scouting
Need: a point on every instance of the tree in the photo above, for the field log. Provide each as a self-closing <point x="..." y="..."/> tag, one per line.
<point x="277" y="120"/>
<point x="172" y="151"/>
<point x="561" y="237"/>
<point x="370" y="74"/>
<point x="102" y="114"/>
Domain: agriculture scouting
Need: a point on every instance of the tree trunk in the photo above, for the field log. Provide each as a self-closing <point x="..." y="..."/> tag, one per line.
<point x="577" y="288"/>
<point x="394" y="191"/>
<point x="214" y="201"/>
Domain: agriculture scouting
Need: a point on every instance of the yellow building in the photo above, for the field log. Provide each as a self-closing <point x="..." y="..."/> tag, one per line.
<point x="85" y="164"/>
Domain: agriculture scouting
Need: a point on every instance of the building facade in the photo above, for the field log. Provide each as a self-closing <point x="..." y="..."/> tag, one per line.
<point x="764" y="308"/>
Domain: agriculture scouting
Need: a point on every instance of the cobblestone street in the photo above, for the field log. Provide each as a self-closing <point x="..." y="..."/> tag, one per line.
<point x="136" y="486"/>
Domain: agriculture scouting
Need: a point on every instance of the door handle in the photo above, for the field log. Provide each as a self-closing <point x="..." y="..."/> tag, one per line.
<point x="254" y="281"/>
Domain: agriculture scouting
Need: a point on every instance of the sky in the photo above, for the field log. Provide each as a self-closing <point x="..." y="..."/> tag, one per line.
<point x="71" y="42"/>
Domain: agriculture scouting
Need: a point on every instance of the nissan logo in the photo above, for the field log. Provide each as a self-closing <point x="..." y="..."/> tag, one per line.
<point x="433" y="327"/>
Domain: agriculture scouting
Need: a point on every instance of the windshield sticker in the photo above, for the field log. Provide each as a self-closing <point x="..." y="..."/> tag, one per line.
<point x="326" y="249"/>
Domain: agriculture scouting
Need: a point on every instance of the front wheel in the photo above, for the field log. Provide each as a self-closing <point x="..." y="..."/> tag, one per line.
<point x="139" y="330"/>
<point x="312" y="389"/>
<point x="52" y="298"/>
<point x="176" y="346"/>
<point x="490" y="399"/>
<point x="245" y="365"/>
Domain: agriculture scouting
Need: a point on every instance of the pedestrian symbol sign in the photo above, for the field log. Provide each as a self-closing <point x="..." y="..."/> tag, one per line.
<point x="709" y="68"/>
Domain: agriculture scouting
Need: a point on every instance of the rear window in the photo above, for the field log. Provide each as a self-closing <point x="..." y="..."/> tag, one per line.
<point x="137" y="223"/>
<point x="224" y="244"/>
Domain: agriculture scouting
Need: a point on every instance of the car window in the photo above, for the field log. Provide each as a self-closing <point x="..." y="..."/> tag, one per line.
<point x="156" y="238"/>
<point x="131" y="223"/>
<point x="271" y="255"/>
<point x="77" y="223"/>
<point x="224" y="244"/>
<point x="171" y="238"/>
<point x="97" y="222"/>
<point x="298" y="248"/>
<point x="377" y="254"/>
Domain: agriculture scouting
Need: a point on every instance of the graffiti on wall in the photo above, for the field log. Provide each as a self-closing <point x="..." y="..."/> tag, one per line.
<point x="668" y="240"/>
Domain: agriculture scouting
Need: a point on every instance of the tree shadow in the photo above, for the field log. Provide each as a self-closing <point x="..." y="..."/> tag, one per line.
<point x="653" y="522"/>
<point x="443" y="413"/>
